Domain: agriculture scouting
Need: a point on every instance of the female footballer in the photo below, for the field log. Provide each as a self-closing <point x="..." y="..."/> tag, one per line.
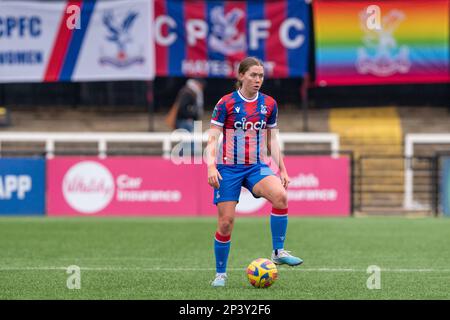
<point x="246" y="117"/>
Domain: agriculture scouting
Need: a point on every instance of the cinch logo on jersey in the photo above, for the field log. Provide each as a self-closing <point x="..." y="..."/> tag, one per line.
<point x="246" y="125"/>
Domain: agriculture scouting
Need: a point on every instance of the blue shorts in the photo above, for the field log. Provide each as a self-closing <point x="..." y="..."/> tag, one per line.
<point x="236" y="176"/>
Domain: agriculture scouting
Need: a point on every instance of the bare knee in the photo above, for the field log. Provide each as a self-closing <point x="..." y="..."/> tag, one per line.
<point x="279" y="200"/>
<point x="226" y="225"/>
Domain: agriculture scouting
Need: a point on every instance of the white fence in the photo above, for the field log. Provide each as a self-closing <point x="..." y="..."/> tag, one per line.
<point x="410" y="141"/>
<point x="165" y="138"/>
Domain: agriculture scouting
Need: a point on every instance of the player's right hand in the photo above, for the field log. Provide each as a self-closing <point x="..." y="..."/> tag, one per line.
<point x="213" y="177"/>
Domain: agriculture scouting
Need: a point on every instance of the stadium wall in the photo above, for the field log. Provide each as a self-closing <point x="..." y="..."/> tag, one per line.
<point x="154" y="186"/>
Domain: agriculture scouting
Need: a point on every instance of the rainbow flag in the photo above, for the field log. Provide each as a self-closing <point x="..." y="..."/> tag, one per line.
<point x="411" y="45"/>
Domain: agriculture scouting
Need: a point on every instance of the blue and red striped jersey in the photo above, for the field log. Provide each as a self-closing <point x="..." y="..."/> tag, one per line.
<point x="244" y="125"/>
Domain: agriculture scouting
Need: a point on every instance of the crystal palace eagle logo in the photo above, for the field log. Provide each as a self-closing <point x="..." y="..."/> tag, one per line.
<point x="225" y="36"/>
<point x="381" y="55"/>
<point x="119" y="33"/>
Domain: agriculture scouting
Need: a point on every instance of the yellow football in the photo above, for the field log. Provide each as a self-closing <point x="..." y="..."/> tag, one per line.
<point x="262" y="273"/>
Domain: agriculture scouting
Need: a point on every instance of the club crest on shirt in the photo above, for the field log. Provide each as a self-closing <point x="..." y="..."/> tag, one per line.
<point x="263" y="109"/>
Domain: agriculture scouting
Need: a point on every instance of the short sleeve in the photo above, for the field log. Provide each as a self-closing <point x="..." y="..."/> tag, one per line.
<point x="219" y="113"/>
<point x="272" y="121"/>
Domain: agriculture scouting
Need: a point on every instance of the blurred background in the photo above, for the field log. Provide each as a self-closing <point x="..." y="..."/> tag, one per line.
<point x="370" y="75"/>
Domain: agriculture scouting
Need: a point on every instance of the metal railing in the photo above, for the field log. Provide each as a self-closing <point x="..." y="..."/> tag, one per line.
<point x="410" y="141"/>
<point x="164" y="138"/>
<point x="381" y="183"/>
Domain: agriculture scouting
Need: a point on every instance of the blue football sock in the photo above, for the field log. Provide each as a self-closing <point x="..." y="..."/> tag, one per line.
<point x="278" y="226"/>
<point x="221" y="250"/>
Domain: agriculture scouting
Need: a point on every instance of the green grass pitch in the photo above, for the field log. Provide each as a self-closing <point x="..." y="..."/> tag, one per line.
<point x="173" y="258"/>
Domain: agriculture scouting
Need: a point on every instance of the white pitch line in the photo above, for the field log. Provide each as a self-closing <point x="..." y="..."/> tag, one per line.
<point x="299" y="269"/>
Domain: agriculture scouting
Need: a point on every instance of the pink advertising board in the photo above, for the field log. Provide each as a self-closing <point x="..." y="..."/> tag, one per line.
<point x="121" y="186"/>
<point x="133" y="186"/>
<point x="320" y="186"/>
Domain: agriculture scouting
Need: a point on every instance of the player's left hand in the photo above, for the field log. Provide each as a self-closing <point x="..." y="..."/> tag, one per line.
<point x="284" y="177"/>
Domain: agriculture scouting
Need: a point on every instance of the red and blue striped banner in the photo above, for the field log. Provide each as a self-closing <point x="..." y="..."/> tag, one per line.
<point x="209" y="38"/>
<point x="68" y="42"/>
<point x="76" y="40"/>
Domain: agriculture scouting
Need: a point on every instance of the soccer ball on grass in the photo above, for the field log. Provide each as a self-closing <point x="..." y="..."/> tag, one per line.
<point x="262" y="273"/>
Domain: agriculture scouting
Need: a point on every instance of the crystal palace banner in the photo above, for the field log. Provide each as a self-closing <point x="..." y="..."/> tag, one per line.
<point x="76" y="40"/>
<point x="411" y="44"/>
<point x="209" y="38"/>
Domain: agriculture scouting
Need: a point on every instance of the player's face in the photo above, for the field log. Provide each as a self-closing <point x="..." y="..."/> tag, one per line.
<point x="252" y="79"/>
